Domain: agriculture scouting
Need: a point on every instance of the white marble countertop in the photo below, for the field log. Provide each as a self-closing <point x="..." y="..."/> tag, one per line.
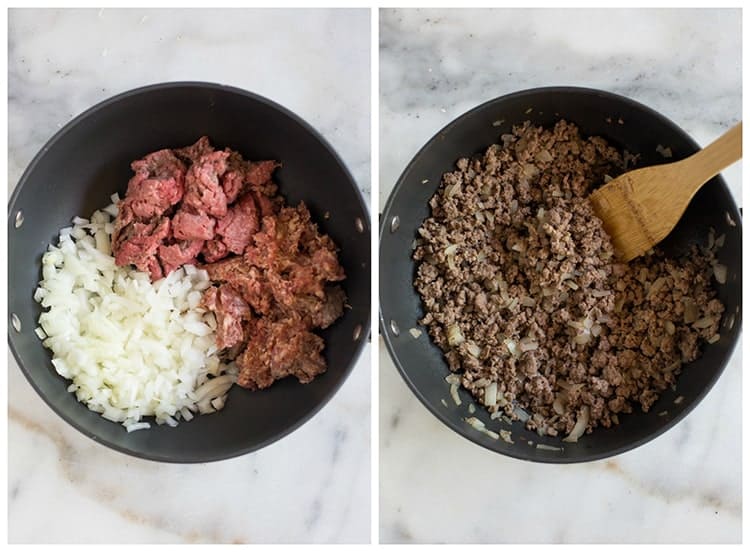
<point x="435" y="486"/>
<point x="64" y="61"/>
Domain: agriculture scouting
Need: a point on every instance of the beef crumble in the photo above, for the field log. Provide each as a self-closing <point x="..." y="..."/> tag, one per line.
<point x="274" y="272"/>
<point x="522" y="292"/>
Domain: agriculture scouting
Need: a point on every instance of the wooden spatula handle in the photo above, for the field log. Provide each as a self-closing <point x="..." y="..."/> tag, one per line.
<point x="715" y="157"/>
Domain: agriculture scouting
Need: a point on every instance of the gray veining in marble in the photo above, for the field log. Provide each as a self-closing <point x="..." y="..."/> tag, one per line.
<point x="437" y="487"/>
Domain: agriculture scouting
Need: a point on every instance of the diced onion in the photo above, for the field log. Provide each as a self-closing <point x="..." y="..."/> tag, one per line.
<point x="521" y="414"/>
<point x="720" y="273"/>
<point x="137" y="426"/>
<point x="473" y="349"/>
<point x="580" y="426"/>
<point x="705" y="322"/>
<point x="691" y="311"/>
<point x="454" y="395"/>
<point x="455" y="337"/>
<point x="527" y="344"/>
<point x="542" y="446"/>
<point x="453" y="379"/>
<point x="512" y="346"/>
<point x="557" y="406"/>
<point x="490" y="394"/>
<point x="132" y="348"/>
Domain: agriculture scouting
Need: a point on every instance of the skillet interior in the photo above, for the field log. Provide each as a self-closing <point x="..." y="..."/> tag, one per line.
<point x="421" y="363"/>
<point x="89" y="159"/>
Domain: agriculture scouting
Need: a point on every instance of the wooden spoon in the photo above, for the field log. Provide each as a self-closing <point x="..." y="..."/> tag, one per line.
<point x="640" y="207"/>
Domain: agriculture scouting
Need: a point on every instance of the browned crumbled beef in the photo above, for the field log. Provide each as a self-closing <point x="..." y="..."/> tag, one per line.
<point x="520" y="286"/>
<point x="274" y="284"/>
<point x="277" y="349"/>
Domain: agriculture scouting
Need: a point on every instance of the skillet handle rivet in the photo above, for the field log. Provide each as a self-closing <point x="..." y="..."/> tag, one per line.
<point x="394" y="328"/>
<point x="395" y="223"/>
<point x="359" y="225"/>
<point x="15" y="321"/>
<point x="357" y="332"/>
<point x="19" y="219"/>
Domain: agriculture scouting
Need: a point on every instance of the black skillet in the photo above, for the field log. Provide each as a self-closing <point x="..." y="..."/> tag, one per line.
<point x="625" y="124"/>
<point x="89" y="159"/>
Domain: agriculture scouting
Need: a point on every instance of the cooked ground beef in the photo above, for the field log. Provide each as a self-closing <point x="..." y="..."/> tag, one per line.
<point x="273" y="269"/>
<point x="522" y="291"/>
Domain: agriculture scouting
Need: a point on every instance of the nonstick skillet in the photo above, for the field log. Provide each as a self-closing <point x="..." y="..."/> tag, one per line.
<point x="623" y="123"/>
<point x="89" y="159"/>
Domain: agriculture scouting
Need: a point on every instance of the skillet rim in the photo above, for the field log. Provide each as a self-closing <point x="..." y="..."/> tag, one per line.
<point x="366" y="321"/>
<point x="467" y="432"/>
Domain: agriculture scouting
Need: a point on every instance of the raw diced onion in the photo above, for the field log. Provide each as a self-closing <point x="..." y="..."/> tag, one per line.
<point x="137" y="426"/>
<point x="131" y="347"/>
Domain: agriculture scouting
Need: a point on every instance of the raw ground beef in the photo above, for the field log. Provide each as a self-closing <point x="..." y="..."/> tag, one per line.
<point x="274" y="271"/>
<point x="521" y="289"/>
